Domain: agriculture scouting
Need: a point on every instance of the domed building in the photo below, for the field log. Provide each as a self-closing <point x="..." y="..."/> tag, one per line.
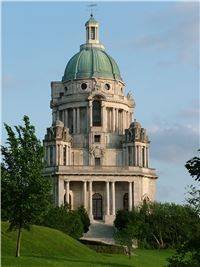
<point x="96" y="155"/>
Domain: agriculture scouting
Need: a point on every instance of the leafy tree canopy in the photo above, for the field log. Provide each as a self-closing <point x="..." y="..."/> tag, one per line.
<point x="193" y="167"/>
<point x="25" y="191"/>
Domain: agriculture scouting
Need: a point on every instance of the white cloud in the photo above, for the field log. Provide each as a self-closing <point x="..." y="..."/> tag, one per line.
<point x="180" y="38"/>
<point x="174" y="144"/>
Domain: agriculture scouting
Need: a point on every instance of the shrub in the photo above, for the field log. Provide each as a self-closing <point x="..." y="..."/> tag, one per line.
<point x="65" y="220"/>
<point x="84" y="218"/>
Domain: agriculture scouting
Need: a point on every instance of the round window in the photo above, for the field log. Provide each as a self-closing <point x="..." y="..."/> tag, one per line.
<point x="107" y="86"/>
<point x="84" y="86"/>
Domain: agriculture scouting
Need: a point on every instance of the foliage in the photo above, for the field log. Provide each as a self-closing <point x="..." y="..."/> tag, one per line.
<point x="193" y="167"/>
<point x="122" y="219"/>
<point x="193" y="197"/>
<point x="125" y="237"/>
<point x="84" y="218"/>
<point x="160" y="225"/>
<point x="65" y="220"/>
<point x="25" y="192"/>
<point x="188" y="253"/>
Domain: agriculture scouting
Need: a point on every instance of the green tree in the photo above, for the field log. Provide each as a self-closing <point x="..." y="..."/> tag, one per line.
<point x="159" y="225"/>
<point x="25" y="191"/>
<point x="188" y="253"/>
<point x="193" y="167"/>
<point x="193" y="193"/>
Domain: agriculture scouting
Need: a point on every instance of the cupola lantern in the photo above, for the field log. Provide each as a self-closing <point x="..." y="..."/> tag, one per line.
<point x="92" y="31"/>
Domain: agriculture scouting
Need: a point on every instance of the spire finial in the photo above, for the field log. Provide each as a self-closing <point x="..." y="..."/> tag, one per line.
<point x="91" y="9"/>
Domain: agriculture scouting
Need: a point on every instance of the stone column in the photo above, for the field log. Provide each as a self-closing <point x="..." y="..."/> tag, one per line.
<point x="54" y="155"/>
<point x="130" y="197"/>
<point x="90" y="199"/>
<point x="90" y="112"/>
<point x="122" y="131"/>
<point x="74" y="120"/>
<point x="135" y="152"/>
<point x="113" y="198"/>
<point x="78" y="120"/>
<point x="85" y="194"/>
<point x="140" y="155"/>
<point x="104" y="117"/>
<point x="127" y="156"/>
<point x="113" y="111"/>
<point x="123" y="156"/>
<point x="110" y="120"/>
<point x="117" y="120"/>
<point x="67" y="192"/>
<point x="61" y="192"/>
<point x="125" y="120"/>
<point x="66" y="118"/>
<point x="147" y="151"/>
<point x="107" y="199"/>
<point x="58" y="154"/>
<point x="133" y="156"/>
<point x="69" y="155"/>
<point x="66" y="155"/>
<point x="144" y="155"/>
<point x="137" y="149"/>
<point x="61" y="154"/>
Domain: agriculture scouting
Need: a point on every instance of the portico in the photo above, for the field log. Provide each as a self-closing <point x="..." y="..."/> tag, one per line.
<point x="107" y="192"/>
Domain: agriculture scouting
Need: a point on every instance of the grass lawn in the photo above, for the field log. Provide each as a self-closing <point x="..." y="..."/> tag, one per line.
<point x="45" y="247"/>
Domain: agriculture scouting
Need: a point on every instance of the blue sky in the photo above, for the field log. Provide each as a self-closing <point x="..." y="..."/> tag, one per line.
<point x="156" y="47"/>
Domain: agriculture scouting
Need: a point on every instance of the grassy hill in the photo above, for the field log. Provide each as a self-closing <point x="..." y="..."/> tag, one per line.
<point x="45" y="247"/>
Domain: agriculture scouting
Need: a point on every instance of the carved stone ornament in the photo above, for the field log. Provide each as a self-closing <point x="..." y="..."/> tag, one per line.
<point x="97" y="151"/>
<point x="129" y="95"/>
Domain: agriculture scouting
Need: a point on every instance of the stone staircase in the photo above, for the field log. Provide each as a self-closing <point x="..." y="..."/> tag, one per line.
<point x="100" y="232"/>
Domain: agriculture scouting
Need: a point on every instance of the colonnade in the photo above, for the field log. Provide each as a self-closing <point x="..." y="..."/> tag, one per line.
<point x="118" y="120"/>
<point x="58" y="154"/>
<point x="112" y="119"/>
<point x="110" y="208"/>
<point x="136" y="155"/>
<point x="75" y="119"/>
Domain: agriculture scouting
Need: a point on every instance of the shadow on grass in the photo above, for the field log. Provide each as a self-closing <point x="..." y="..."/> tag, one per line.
<point x="87" y="261"/>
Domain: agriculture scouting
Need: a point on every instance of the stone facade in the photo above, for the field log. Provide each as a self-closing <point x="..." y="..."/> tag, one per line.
<point x="95" y="154"/>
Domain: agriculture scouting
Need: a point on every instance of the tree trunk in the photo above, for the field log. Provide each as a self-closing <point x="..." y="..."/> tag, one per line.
<point x="129" y="252"/>
<point x="157" y="241"/>
<point x="18" y="242"/>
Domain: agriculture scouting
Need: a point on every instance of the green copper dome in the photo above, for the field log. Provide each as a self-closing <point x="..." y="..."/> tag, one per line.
<point x="91" y="62"/>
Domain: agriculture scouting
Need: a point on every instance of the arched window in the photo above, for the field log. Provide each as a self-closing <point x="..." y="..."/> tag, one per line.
<point x="96" y="113"/>
<point x="125" y="201"/>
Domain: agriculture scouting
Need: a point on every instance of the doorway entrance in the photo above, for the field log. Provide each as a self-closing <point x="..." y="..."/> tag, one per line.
<point x="97" y="206"/>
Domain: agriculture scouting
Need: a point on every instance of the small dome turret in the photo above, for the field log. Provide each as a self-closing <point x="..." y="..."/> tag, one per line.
<point x="135" y="124"/>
